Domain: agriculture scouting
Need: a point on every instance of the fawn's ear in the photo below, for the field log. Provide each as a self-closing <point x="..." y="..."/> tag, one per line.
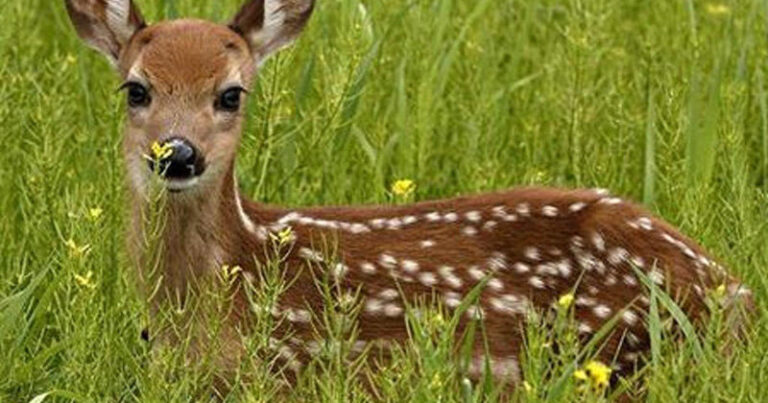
<point x="268" y="25"/>
<point x="106" y="25"/>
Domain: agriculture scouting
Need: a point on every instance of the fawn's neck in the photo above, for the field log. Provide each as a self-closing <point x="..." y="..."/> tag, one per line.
<point x="198" y="233"/>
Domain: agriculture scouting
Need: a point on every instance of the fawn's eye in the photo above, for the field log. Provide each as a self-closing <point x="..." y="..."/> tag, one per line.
<point x="137" y="94"/>
<point x="229" y="100"/>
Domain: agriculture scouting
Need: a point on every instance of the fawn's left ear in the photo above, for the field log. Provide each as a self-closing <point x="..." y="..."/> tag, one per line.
<point x="268" y="25"/>
<point x="106" y="25"/>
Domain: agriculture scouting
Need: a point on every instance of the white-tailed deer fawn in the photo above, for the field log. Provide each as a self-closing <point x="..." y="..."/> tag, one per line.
<point x="186" y="81"/>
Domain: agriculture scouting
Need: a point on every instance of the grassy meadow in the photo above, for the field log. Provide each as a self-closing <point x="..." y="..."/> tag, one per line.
<point x="664" y="103"/>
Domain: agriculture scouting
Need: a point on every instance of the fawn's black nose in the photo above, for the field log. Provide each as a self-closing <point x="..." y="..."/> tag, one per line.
<point x="182" y="162"/>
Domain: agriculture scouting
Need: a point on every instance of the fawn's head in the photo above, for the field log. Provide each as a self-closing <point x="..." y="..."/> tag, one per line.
<point x="185" y="81"/>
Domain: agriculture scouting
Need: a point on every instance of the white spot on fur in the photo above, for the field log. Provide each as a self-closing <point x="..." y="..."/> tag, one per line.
<point x="585" y="301"/>
<point x="340" y="270"/>
<point x="564" y="267"/>
<point x="428" y="278"/>
<point x="475" y="312"/>
<point x="373" y="305"/>
<point x="388" y="294"/>
<point x="469" y="231"/>
<point x="617" y="256"/>
<point x="473" y="216"/>
<point x="451" y="217"/>
<point x="532" y="253"/>
<point x="446" y="272"/>
<point x="409" y="266"/>
<point x="495" y="284"/>
<point x="509" y="304"/>
<point x="550" y="211"/>
<point x="452" y="299"/>
<point x="629" y="317"/>
<point x="393" y="310"/>
<point x="377" y="223"/>
<point x="546" y="269"/>
<point x="645" y="223"/>
<point x="408" y="220"/>
<point x="598" y="241"/>
<point x="602" y="311"/>
<point x="368" y="268"/>
<point x="298" y="315"/>
<point x="433" y="216"/>
<point x="610" y="200"/>
<point x="476" y="273"/>
<point x="576" y="207"/>
<point x="310" y="254"/>
<point x="584" y="328"/>
<point x="629" y="280"/>
<point x="427" y="243"/>
<point x="394" y="224"/>
<point x="522" y="267"/>
<point x="536" y="282"/>
<point x="497" y="261"/>
<point x="656" y="276"/>
<point x="523" y="209"/>
<point x="387" y="261"/>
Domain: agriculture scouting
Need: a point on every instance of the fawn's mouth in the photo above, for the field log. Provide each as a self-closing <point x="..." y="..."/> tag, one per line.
<point x="181" y="185"/>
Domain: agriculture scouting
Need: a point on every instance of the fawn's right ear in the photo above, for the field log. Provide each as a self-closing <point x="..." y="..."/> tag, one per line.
<point x="106" y="25"/>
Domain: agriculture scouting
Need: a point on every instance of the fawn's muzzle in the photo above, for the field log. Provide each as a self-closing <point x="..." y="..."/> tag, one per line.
<point x="182" y="162"/>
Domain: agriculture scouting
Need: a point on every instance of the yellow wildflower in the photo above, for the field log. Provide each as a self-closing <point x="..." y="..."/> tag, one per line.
<point x="437" y="382"/>
<point x="565" y="301"/>
<point x="161" y="152"/>
<point x="527" y="386"/>
<point x="403" y="187"/>
<point x="717" y="9"/>
<point x="95" y="213"/>
<point x="437" y="320"/>
<point x="720" y="291"/>
<point x="229" y="272"/>
<point x="76" y="250"/>
<point x="71" y="59"/>
<point x="595" y="373"/>
<point x="285" y="236"/>
<point x="85" y="281"/>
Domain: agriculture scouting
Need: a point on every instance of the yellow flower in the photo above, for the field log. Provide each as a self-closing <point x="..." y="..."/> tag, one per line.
<point x="437" y="320"/>
<point x="595" y="373"/>
<point x="76" y="250"/>
<point x="161" y="152"/>
<point x="95" y="213"/>
<point x="527" y="386"/>
<point x="403" y="187"/>
<point x="285" y="236"/>
<point x="565" y="300"/>
<point x="85" y="281"/>
<point x="720" y="290"/>
<point x="437" y="382"/>
<point x="718" y="9"/>
<point x="71" y="59"/>
<point x="229" y="272"/>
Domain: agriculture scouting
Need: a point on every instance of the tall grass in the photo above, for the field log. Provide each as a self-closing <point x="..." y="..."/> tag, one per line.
<point x="662" y="102"/>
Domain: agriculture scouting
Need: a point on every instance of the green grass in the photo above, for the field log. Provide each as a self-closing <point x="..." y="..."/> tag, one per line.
<point x="662" y="102"/>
